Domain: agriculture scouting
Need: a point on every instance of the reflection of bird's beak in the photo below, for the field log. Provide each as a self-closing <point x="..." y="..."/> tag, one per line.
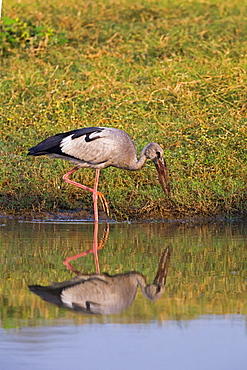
<point x="160" y="278"/>
<point x="156" y="289"/>
<point x="162" y="170"/>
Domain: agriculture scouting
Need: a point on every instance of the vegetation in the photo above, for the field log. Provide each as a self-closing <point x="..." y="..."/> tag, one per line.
<point x="170" y="72"/>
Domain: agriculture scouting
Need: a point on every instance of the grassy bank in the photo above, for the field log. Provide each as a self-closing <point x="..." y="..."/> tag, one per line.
<point x="170" y="72"/>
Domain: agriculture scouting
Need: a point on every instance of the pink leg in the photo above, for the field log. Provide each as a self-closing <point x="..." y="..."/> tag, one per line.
<point x="96" y="193"/>
<point x="66" y="178"/>
<point x="95" y="196"/>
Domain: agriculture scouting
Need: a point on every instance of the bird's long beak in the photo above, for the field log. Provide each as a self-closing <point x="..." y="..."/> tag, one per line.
<point x="160" y="278"/>
<point x="163" y="176"/>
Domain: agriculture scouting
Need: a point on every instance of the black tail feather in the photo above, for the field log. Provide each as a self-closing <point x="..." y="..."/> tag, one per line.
<point x="47" y="293"/>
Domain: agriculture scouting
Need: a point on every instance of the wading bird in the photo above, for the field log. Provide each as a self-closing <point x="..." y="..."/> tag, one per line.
<point x="98" y="148"/>
<point x="102" y="293"/>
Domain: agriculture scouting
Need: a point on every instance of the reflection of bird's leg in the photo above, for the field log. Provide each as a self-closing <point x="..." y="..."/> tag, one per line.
<point x="104" y="236"/>
<point x="101" y="244"/>
<point x="94" y="191"/>
<point x="95" y="245"/>
<point x="94" y="250"/>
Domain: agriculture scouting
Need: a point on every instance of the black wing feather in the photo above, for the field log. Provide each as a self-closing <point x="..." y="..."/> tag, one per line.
<point x="52" y="144"/>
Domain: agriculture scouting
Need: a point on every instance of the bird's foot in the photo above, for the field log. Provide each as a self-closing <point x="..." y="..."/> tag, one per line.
<point x="104" y="203"/>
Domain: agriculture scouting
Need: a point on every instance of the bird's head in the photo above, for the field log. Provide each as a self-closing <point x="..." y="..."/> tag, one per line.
<point x="154" y="152"/>
<point x="153" y="291"/>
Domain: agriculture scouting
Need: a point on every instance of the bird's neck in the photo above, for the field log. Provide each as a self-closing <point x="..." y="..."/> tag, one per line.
<point x="138" y="164"/>
<point x="141" y="280"/>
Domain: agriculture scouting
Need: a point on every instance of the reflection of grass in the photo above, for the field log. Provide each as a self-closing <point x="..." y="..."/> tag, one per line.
<point x="163" y="71"/>
<point x="207" y="274"/>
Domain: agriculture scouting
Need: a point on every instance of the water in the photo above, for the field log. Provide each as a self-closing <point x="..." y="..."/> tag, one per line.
<point x="198" y="323"/>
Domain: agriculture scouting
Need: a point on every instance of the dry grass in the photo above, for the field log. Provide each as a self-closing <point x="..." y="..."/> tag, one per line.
<point x="174" y="73"/>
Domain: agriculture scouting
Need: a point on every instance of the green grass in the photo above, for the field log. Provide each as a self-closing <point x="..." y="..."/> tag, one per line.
<point x="170" y="72"/>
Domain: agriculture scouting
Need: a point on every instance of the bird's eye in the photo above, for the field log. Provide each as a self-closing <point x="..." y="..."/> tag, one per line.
<point x="158" y="154"/>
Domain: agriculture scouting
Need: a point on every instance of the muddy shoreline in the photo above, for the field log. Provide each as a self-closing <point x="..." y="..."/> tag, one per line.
<point x="87" y="215"/>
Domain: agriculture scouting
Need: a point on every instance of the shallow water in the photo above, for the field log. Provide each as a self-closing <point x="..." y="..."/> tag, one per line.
<point x="198" y="323"/>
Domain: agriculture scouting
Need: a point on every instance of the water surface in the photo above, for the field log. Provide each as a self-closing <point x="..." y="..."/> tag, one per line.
<point x="198" y="323"/>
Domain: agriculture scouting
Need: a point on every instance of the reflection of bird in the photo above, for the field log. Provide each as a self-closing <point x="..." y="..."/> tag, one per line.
<point x="102" y="293"/>
<point x="101" y="147"/>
